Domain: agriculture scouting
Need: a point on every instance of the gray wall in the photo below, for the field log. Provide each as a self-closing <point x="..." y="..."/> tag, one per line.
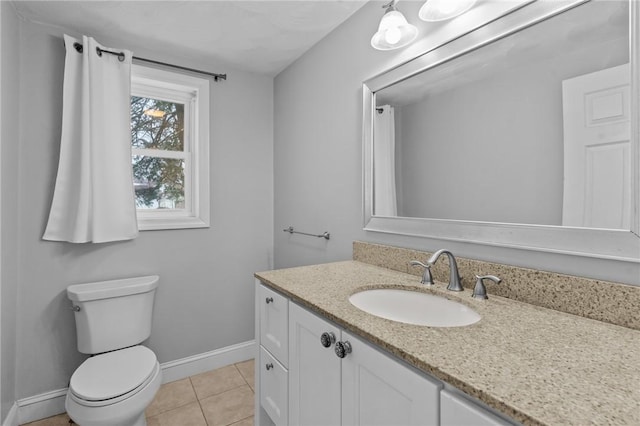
<point x="9" y="63"/>
<point x="205" y="298"/>
<point x="317" y="141"/>
<point x="318" y="153"/>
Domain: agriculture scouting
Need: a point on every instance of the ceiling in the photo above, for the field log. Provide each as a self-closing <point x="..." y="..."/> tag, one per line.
<point x="257" y="36"/>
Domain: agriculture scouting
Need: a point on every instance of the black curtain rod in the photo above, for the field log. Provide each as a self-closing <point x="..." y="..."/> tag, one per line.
<point x="120" y="56"/>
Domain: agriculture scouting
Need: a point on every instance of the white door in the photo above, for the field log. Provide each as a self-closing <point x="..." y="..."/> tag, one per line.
<point x="378" y="390"/>
<point x="597" y="160"/>
<point x="314" y="371"/>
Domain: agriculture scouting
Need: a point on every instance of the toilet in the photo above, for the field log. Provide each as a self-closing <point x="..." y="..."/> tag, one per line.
<point x="116" y="384"/>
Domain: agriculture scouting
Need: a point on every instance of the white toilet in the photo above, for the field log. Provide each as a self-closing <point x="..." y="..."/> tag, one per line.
<point x="116" y="384"/>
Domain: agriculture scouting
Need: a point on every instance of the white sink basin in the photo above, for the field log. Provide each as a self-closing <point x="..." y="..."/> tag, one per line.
<point x="413" y="307"/>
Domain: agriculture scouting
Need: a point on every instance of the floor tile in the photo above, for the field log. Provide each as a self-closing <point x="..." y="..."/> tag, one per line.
<point x="246" y="422"/>
<point x="226" y="396"/>
<point x="171" y="395"/>
<point x="59" y="420"/>
<point x="187" y="415"/>
<point x="217" y="381"/>
<point x="228" y="407"/>
<point x="247" y="370"/>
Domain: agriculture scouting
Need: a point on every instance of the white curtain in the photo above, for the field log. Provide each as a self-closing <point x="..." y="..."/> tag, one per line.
<point x="93" y="199"/>
<point x="384" y="162"/>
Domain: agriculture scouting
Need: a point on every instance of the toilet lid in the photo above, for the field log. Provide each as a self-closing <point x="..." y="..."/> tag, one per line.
<point x="112" y="374"/>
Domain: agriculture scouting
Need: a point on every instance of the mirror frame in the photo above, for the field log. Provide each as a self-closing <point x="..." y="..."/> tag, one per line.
<point x="622" y="245"/>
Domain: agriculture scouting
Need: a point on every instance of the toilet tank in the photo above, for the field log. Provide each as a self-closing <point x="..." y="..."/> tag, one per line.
<point x="113" y="314"/>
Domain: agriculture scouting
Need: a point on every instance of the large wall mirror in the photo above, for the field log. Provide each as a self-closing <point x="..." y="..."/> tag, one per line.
<point x="522" y="133"/>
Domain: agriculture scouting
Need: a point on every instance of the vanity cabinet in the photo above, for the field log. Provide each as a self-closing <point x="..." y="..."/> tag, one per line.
<point x="301" y="380"/>
<point x="365" y="387"/>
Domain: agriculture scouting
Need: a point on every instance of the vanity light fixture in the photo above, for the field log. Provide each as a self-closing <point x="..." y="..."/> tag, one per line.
<point x="394" y="31"/>
<point x="441" y="10"/>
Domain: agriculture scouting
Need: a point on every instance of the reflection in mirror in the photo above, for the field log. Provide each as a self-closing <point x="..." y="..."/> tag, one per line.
<point x="531" y="129"/>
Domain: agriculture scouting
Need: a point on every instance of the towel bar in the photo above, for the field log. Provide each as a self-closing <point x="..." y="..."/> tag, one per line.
<point x="324" y="235"/>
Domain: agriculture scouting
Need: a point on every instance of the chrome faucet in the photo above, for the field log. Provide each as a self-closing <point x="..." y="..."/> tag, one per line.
<point x="454" y="277"/>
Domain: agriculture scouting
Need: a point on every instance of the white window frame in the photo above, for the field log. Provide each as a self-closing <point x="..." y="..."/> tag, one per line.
<point x="193" y="92"/>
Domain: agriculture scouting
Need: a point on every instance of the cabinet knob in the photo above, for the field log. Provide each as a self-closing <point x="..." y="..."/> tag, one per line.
<point x="269" y="300"/>
<point x="342" y="349"/>
<point x="327" y="339"/>
<point x="269" y="366"/>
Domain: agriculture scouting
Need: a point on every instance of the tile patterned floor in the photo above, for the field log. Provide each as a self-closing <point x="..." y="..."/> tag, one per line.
<point x="221" y="397"/>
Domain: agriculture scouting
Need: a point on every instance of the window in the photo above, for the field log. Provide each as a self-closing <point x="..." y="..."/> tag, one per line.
<point x="170" y="148"/>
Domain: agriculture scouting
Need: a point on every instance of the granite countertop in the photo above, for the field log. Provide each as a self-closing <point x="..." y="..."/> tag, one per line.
<point x="536" y="365"/>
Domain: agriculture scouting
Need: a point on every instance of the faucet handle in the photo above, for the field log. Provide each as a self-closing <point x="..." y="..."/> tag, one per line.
<point x="480" y="291"/>
<point x="427" y="279"/>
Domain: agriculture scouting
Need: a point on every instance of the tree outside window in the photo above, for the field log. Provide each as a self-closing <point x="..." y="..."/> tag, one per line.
<point x="170" y="148"/>
<point x="159" y="180"/>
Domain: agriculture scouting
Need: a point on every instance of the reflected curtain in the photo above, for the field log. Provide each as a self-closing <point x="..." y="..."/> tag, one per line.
<point x="93" y="198"/>
<point x="384" y="162"/>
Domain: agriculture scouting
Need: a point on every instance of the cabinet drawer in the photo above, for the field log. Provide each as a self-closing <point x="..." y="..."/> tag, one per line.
<point x="273" y="388"/>
<point x="457" y="411"/>
<point x="274" y="319"/>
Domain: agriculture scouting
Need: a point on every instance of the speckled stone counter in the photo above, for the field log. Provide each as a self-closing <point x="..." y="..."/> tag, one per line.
<point x="600" y="300"/>
<point x="536" y="365"/>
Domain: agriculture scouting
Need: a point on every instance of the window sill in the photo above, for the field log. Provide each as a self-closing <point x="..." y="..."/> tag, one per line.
<point x="158" y="224"/>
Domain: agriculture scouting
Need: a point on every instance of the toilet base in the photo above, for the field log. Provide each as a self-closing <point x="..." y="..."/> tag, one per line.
<point x="140" y="421"/>
<point x="127" y="412"/>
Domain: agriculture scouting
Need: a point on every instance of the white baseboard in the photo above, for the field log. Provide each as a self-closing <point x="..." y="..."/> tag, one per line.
<point x="49" y="404"/>
<point x="12" y="416"/>
<point x="41" y="406"/>
<point x="196" y="364"/>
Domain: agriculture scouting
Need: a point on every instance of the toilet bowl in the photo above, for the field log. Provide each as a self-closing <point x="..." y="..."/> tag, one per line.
<point x="115" y="385"/>
<point x="114" y="388"/>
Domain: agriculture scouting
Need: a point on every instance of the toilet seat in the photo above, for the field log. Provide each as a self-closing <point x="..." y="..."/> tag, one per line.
<point x="113" y="376"/>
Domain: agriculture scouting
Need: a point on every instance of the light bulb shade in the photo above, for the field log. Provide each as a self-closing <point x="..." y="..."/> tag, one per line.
<point x="393" y="32"/>
<point x="441" y="10"/>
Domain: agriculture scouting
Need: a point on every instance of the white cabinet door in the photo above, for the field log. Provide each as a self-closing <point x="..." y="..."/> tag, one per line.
<point x="314" y="371"/>
<point x="377" y="390"/>
<point x="457" y="411"/>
